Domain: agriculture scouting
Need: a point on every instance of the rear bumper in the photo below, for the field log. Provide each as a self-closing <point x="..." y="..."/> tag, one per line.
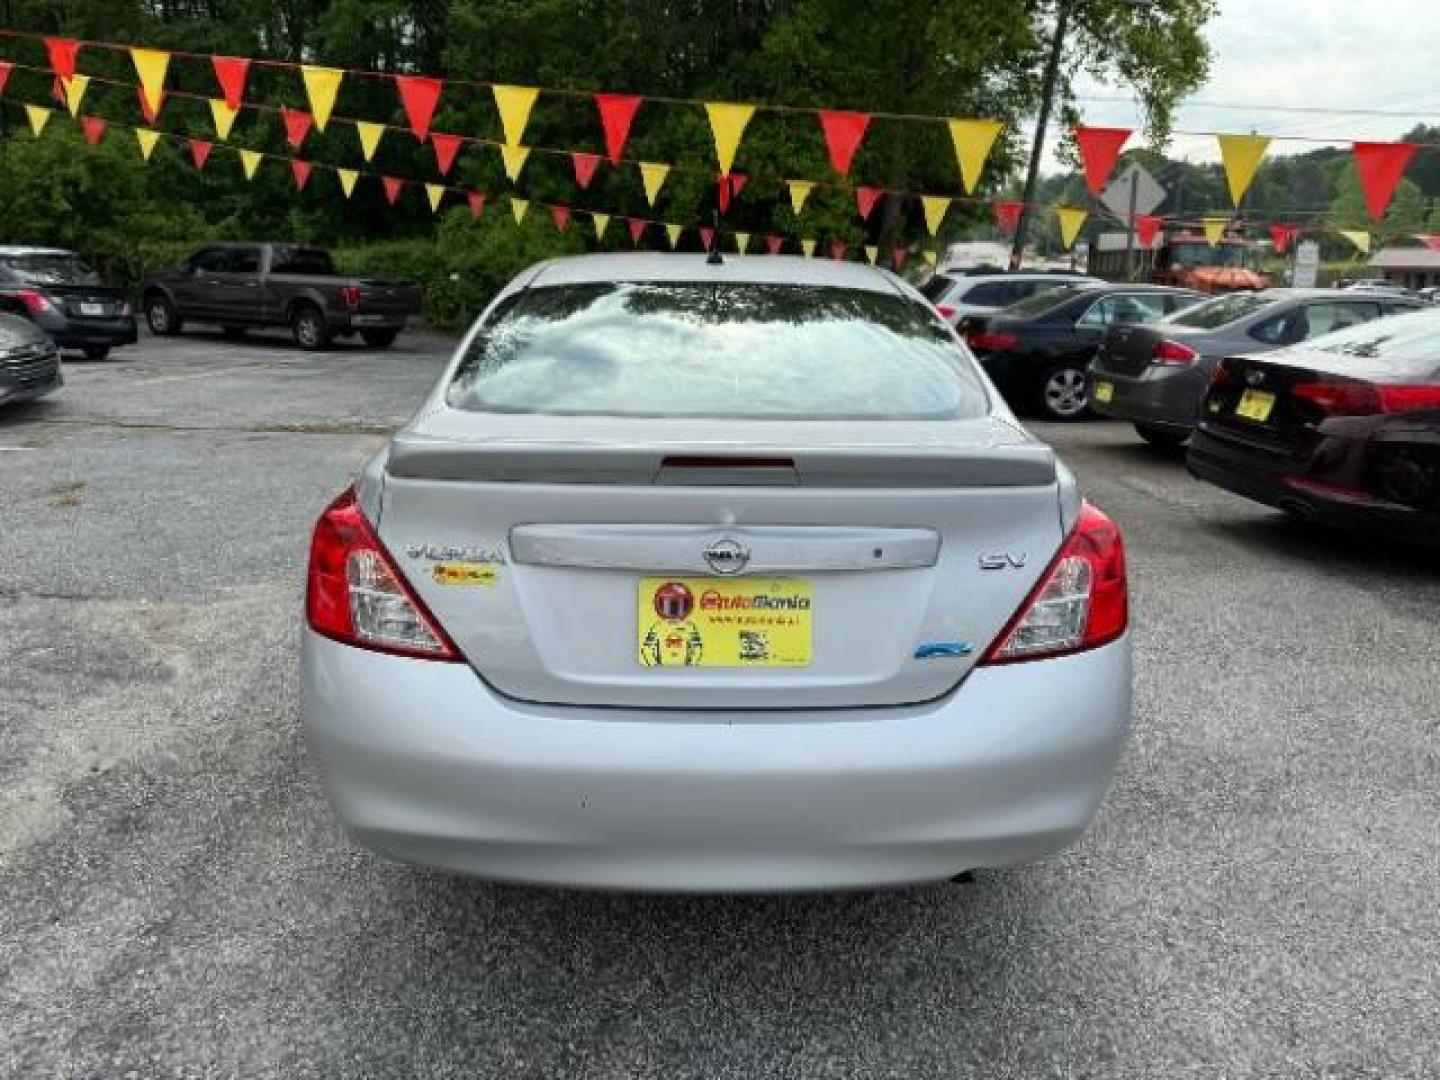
<point x="13" y="390"/>
<point x="1164" y="397"/>
<point x="71" y="333"/>
<point x="369" y="321"/>
<point x="424" y="763"/>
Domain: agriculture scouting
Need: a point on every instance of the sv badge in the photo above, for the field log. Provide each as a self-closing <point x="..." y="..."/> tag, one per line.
<point x="1002" y="560"/>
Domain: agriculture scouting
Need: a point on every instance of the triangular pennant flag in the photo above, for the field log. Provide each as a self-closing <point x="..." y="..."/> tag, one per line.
<point x="637" y="228"/>
<point x="707" y="237"/>
<point x="1099" y="149"/>
<point x="61" y="52"/>
<point x="898" y="258"/>
<point x="742" y="242"/>
<point x="347" y="178"/>
<point x="931" y="259"/>
<point x="585" y="166"/>
<point x="617" y="111"/>
<point x="94" y="129"/>
<point x="653" y="175"/>
<point x="799" y="192"/>
<point x="560" y="215"/>
<point x="1282" y="236"/>
<point x="515" y="158"/>
<point x="519" y="207"/>
<point x="1007" y="214"/>
<point x="419" y="94"/>
<point x="322" y="84"/>
<point x="300" y="170"/>
<point x="935" y="207"/>
<point x="808" y="247"/>
<point x="973" y="141"/>
<point x="369" y="137"/>
<point x="1214" y="229"/>
<point x="865" y="200"/>
<point x="230" y="73"/>
<point x="1241" y="156"/>
<point x="1357" y="237"/>
<point x="75" y="93"/>
<point x="446" y="147"/>
<point x="224" y="117"/>
<point x="673" y="232"/>
<point x="392" y="188"/>
<point x="1072" y="220"/>
<point x="435" y="193"/>
<point x="514" y="103"/>
<point x="476" y="199"/>
<point x="38" y="117"/>
<point x="249" y="162"/>
<point x="843" y="132"/>
<point x="600" y="221"/>
<point x="5" y="68"/>
<point x="737" y="183"/>
<point x="199" y="152"/>
<point x="57" y="90"/>
<point x="150" y="111"/>
<point x="727" y="124"/>
<point x="151" y="65"/>
<point x="297" y="126"/>
<point x="729" y="188"/>
<point x="1380" y="166"/>
<point x="838" y="250"/>
<point x="1147" y="229"/>
<point x="774" y="243"/>
<point x="872" y="253"/>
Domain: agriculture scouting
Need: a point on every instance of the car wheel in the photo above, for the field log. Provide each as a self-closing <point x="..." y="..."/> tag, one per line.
<point x="1063" y="395"/>
<point x="1167" y="439"/>
<point x="161" y="315"/>
<point x="380" y="339"/>
<point x="96" y="352"/>
<point x="308" y="327"/>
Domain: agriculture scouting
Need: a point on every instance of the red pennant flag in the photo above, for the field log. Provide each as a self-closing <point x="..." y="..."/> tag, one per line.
<point x="446" y="147"/>
<point x="199" y="152"/>
<point x="561" y="216"/>
<point x="707" y="237"/>
<point x="151" y="115"/>
<point x="617" y="111"/>
<point x="585" y="166"/>
<point x="57" y="90"/>
<point x="637" y="228"/>
<point x="723" y="191"/>
<point x="230" y="73"/>
<point x="1007" y="214"/>
<point x="1381" y="166"/>
<point x="477" y="203"/>
<point x="1282" y="236"/>
<point x="1430" y="240"/>
<point x="94" y="129"/>
<point x="62" y="56"/>
<point x="773" y="243"/>
<point x="392" y="188"/>
<point x="301" y="171"/>
<point x="838" y="249"/>
<point x="1147" y="229"/>
<point x="898" y="258"/>
<point x="843" y="132"/>
<point x="297" y="126"/>
<point x="419" y="94"/>
<point x="1099" y="149"/>
<point x="865" y="200"/>
<point x="5" y="68"/>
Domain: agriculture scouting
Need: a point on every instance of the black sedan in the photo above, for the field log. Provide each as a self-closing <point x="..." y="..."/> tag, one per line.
<point x="1037" y="351"/>
<point x="1344" y="430"/>
<point x="56" y="291"/>
<point x="29" y="361"/>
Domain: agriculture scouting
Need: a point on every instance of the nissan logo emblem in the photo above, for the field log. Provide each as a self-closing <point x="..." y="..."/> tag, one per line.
<point x="726" y="555"/>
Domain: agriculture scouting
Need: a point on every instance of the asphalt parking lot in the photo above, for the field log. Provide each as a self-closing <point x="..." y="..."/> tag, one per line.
<point x="1258" y="897"/>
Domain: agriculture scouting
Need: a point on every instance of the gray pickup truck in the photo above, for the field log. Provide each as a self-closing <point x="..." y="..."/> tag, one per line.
<point x="239" y="286"/>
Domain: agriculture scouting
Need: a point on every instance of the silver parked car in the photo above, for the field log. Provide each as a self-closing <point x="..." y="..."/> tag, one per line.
<point x="29" y="361"/>
<point x="715" y="577"/>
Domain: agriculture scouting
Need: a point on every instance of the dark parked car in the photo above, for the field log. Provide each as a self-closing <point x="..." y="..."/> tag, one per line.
<point x="1156" y="375"/>
<point x="59" y="293"/>
<point x="239" y="286"/>
<point x="1344" y="430"/>
<point x="29" y="361"/>
<point x="1037" y="351"/>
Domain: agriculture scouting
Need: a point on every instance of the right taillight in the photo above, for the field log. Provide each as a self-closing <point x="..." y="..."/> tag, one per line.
<point x="1353" y="397"/>
<point x="35" y="302"/>
<point x="1080" y="603"/>
<point x="1173" y="354"/>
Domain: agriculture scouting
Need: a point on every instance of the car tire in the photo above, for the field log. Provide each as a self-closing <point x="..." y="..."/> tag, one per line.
<point x="1063" y="394"/>
<point x="96" y="352"/>
<point x="307" y="326"/>
<point x="1167" y="439"/>
<point x="380" y="339"/>
<point x="161" y="316"/>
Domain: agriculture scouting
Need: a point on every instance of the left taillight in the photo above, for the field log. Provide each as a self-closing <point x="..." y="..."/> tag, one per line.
<point x="356" y="595"/>
<point x="1081" y="602"/>
<point x="35" y="302"/>
<point x="350" y="294"/>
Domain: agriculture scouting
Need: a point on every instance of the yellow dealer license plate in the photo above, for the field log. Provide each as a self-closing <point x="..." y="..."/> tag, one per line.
<point x="1104" y="391"/>
<point x="724" y="622"/>
<point x="1255" y="405"/>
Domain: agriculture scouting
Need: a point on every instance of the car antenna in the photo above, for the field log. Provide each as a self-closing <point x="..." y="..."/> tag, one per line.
<point x="714" y="259"/>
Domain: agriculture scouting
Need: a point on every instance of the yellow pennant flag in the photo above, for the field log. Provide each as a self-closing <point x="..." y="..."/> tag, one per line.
<point x="600" y="221"/>
<point x="930" y="258"/>
<point x="799" y="191"/>
<point x="75" y="92"/>
<point x="369" y="137"/>
<point x="653" y="176"/>
<point x="673" y="232"/>
<point x="1214" y="229"/>
<point x="742" y="241"/>
<point x="347" y="180"/>
<point x="872" y="252"/>
<point x="147" y="140"/>
<point x="434" y="192"/>
<point x="973" y="141"/>
<point x="727" y="124"/>
<point x="1072" y="220"/>
<point x="224" y="117"/>
<point x="321" y="86"/>
<point x="518" y="207"/>
<point x="249" y="162"/>
<point x="151" y="65"/>
<point x="1241" y="155"/>
<point x="38" y="117"/>
<point x="1360" y="239"/>
<point x="935" y="207"/>
<point x="515" y="158"/>
<point x="808" y="247"/>
<point x="514" y="103"/>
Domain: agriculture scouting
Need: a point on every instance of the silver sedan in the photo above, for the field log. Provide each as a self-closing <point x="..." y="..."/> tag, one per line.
<point x="705" y="576"/>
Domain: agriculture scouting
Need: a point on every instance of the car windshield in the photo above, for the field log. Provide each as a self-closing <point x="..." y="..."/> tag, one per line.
<point x="716" y="350"/>
<point x="1221" y="311"/>
<point x="51" y="269"/>
<point x="1044" y="300"/>
<point x="1410" y="343"/>
<point x="1207" y="255"/>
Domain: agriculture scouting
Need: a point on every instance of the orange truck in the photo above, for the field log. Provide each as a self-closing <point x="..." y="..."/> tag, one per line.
<point x="1182" y="258"/>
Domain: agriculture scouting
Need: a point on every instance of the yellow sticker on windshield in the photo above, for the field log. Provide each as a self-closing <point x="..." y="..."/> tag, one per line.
<point x="465" y="573"/>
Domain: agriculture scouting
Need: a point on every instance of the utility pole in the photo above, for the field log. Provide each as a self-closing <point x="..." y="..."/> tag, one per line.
<point x="1047" y="93"/>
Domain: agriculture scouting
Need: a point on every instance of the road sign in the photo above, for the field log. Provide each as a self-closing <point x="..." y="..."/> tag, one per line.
<point x="1148" y="192"/>
<point x="1307" y="264"/>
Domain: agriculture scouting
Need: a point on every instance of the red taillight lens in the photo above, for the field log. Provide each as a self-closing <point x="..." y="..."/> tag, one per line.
<point x="351" y="295"/>
<point x="1395" y="399"/>
<point x="946" y="311"/>
<point x="356" y="595"/>
<point x="981" y="341"/>
<point x="1173" y="354"/>
<point x="34" y="302"/>
<point x="1339" y="397"/>
<point x="1080" y="603"/>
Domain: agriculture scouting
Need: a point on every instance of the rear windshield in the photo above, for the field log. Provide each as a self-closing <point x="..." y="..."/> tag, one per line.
<point x="936" y="287"/>
<point x="51" y="269"/>
<point x="1408" y="344"/>
<point x="1221" y="310"/>
<point x="1045" y="300"/>
<point x="707" y="350"/>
